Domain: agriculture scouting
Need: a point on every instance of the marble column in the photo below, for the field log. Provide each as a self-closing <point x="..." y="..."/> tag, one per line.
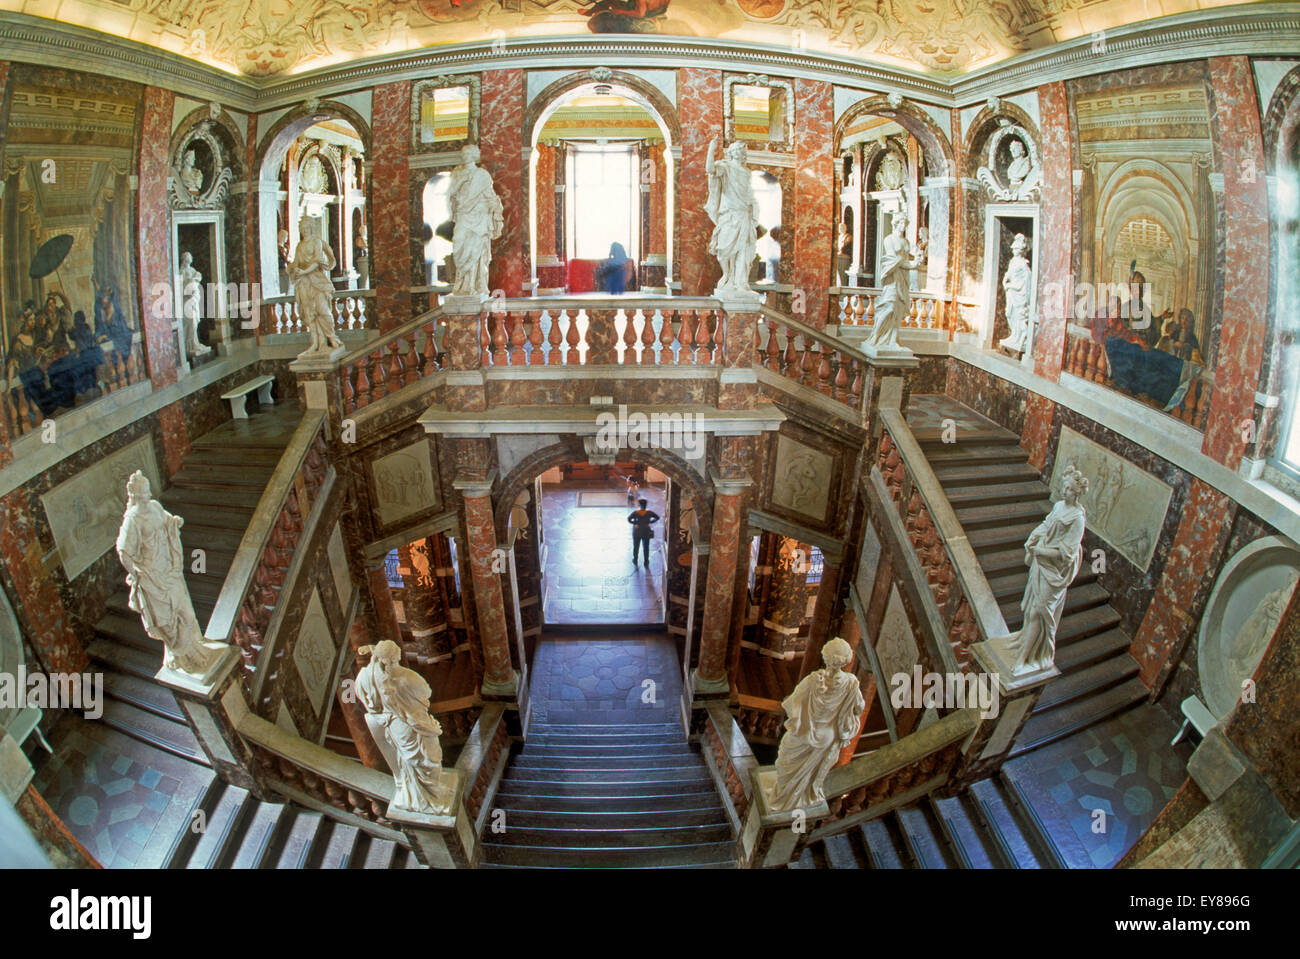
<point x="814" y="205"/>
<point x="654" y="258"/>
<point x="1056" y="229"/>
<point x="720" y="586"/>
<point x="699" y="108"/>
<point x="391" y="261"/>
<point x="547" y="253"/>
<point x="787" y="597"/>
<point x="154" y="237"/>
<point x="499" y="676"/>
<point x="1243" y="325"/>
<point x="381" y="601"/>
<point x="426" y="614"/>
<point x="501" y="116"/>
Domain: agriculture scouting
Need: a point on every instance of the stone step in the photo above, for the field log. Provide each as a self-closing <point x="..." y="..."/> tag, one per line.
<point x="221" y="832"/>
<point x="333" y="846"/>
<point x="632" y="803"/>
<point x="126" y="659"/>
<point x="554" y="751"/>
<point x="611" y="740"/>
<point x="609" y="777"/>
<point x="968" y="834"/>
<point x="1011" y="585"/>
<point x="188" y="837"/>
<point x="609" y="764"/>
<point x="1091" y="649"/>
<point x="222" y="457"/>
<point x="374" y="853"/>
<point x="1000" y="537"/>
<point x="259" y="829"/>
<point x="128" y="629"/>
<point x="1000" y="562"/>
<point x="1045" y="728"/>
<point x="925" y="838"/>
<point x="616" y="838"/>
<point x="884" y="847"/>
<point x="1009" y="832"/>
<point x="979" y="517"/>
<point x="712" y="855"/>
<point x="607" y="729"/>
<point x="971" y="453"/>
<point x="845" y="850"/>
<point x="600" y="818"/>
<point x="982" y="474"/>
<point x="1077" y="599"/>
<point x="992" y="494"/>
<point x="299" y="831"/>
<point x="143" y="694"/>
<point x="182" y="497"/>
<point x="1087" y="681"/>
<point x="153" y="730"/>
<point x="235" y="475"/>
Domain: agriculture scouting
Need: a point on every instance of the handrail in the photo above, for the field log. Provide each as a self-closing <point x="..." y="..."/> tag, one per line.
<point x="966" y="567"/>
<point x="823" y="338"/>
<point x="260" y="539"/>
<point x="384" y="339"/>
<point x="891" y="758"/>
<point x="730" y="760"/>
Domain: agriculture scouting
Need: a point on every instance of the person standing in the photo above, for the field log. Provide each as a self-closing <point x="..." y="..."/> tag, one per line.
<point x="641" y="520"/>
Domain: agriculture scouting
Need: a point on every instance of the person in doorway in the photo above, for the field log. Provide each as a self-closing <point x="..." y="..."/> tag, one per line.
<point x="633" y="490"/>
<point x="641" y="520"/>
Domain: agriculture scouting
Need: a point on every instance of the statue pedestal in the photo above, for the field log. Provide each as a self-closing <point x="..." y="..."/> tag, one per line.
<point x="317" y="361"/>
<point x="461" y="303"/>
<point x="886" y="352"/>
<point x="738" y="301"/>
<point x="200" y="686"/>
<point x="440" y="840"/>
<point x="772" y="838"/>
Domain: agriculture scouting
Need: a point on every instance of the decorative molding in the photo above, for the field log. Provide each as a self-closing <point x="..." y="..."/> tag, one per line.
<point x="418" y="90"/>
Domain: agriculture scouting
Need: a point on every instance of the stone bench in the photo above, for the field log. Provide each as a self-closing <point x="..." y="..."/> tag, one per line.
<point x="239" y="395"/>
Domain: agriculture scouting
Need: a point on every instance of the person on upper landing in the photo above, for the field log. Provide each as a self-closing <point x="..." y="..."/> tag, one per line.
<point x="641" y="520"/>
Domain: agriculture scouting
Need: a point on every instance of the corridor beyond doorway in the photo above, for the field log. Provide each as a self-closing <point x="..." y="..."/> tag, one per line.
<point x="587" y="572"/>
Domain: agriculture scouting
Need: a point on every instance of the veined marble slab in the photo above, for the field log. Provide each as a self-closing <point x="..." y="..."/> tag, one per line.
<point x="313" y="654"/>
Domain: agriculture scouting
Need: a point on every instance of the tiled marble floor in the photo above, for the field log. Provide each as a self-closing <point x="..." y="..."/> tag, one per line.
<point x="1123" y="766"/>
<point x="634" y="679"/>
<point x="589" y="574"/>
<point x="125" y="812"/>
<point x="927" y="412"/>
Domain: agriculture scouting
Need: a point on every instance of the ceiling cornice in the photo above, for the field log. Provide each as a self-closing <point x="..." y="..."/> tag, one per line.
<point x="1271" y="29"/>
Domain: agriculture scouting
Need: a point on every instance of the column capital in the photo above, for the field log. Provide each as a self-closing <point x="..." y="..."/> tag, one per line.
<point x="471" y="484"/>
<point x="729" y="485"/>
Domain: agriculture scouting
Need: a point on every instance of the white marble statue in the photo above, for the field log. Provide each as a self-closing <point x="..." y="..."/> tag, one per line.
<point x="191" y="176"/>
<point x="1053" y="553"/>
<point x="396" y="700"/>
<point x="1019" y="169"/>
<point x="734" y="211"/>
<point x="192" y="305"/>
<point x="312" y="288"/>
<point x="1016" y="285"/>
<point x="822" y="717"/>
<point x="1023" y="176"/>
<point x="895" y="300"/>
<point x="476" y="211"/>
<point x="149" y="546"/>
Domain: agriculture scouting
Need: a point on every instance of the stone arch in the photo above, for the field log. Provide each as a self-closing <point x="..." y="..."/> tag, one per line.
<point x="656" y="102"/>
<point x="984" y="123"/>
<point x="938" y="150"/>
<point x="570" y="449"/>
<point x="302" y="117"/>
<point x="238" y="158"/>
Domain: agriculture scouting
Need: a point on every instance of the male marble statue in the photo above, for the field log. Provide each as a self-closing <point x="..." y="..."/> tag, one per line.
<point x="192" y="305"/>
<point x="191" y="176"/>
<point x="476" y="211"/>
<point x="1015" y="284"/>
<point x="1053" y="553"/>
<point x="1019" y="168"/>
<point x="734" y="211"/>
<point x="895" y="300"/>
<point x="396" y="700"/>
<point x="823" y="714"/>
<point x="149" y="546"/>
<point x="312" y="288"/>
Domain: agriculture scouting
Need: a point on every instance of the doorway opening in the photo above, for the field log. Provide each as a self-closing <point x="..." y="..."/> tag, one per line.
<point x="589" y="576"/>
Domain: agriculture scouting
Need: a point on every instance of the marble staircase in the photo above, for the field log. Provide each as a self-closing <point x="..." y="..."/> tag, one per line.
<point x="629" y="795"/>
<point x="999" y="499"/>
<point x="988" y="826"/>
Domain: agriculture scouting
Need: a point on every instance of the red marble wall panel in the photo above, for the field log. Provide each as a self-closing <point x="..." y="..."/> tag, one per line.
<point x="1056" y="228"/>
<point x="390" y="214"/>
<point x="155" y="235"/>
<point x="699" y="107"/>
<point x="252" y="205"/>
<point x="658" y="201"/>
<point x="501" y="118"/>
<point x="1194" y="557"/>
<point x="1235" y="120"/>
<point x="480" y="535"/>
<point x="724" y="551"/>
<point x="814" y="210"/>
<point x="176" y="438"/>
<point x="1036" y="437"/>
<point x="545" y="190"/>
<point x="36" y="598"/>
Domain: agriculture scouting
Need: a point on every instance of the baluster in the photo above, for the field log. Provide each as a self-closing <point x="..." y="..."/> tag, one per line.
<point x="824" y="373"/>
<point x="431" y="348"/>
<point x="554" y="355"/>
<point x="704" y="338"/>
<point x="363" y="384"/>
<point x="790" y="362"/>
<point x="871" y="308"/>
<point x="666" y="337"/>
<point x="361" y="312"/>
<point x="572" y="338"/>
<point x="499" y="339"/>
<point x="518" y="338"/>
<point x="857" y="309"/>
<point x="395" y="373"/>
<point x="349" y="395"/>
<point x="685" y="338"/>
<point x="855" y="390"/>
<point x="629" y="339"/>
<point x="841" y="387"/>
<point x="910" y="319"/>
<point x="772" y="354"/>
<point x="24" y="412"/>
<point x="536" y="345"/>
<point x="119" y="371"/>
<point x="647" y="337"/>
<point x="411" y="362"/>
<point x="379" y="385"/>
<point x="808" y="363"/>
<point x="340" y="321"/>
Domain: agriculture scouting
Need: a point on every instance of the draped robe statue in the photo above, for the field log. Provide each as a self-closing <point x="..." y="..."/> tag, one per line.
<point x="1053" y="553"/>
<point x="1015" y="284"/>
<point x="895" y="300"/>
<point x="734" y="211"/>
<point x="149" y="546"/>
<point x="823" y="714"/>
<point x="312" y="287"/>
<point x="396" y="700"/>
<point x="192" y="304"/>
<point x="476" y="211"/>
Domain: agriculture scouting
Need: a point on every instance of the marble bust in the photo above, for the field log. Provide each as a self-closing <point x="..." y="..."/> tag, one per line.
<point x="1016" y="285"/>
<point x="312" y="288"/>
<point x="823" y="714"/>
<point x="149" y="546"/>
<point x="732" y="208"/>
<point x="396" y="700"/>
<point x="476" y="210"/>
<point x="1022" y="177"/>
<point x="191" y="176"/>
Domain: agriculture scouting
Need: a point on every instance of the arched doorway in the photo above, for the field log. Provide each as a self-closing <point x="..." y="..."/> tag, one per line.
<point x="601" y="172"/>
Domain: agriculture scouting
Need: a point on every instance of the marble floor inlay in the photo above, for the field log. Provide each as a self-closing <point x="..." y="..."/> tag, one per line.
<point x="576" y="679"/>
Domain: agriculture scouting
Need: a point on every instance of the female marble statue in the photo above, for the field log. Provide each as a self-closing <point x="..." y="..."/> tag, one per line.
<point x="476" y="210"/>
<point x="895" y="300"/>
<point x="149" y="546"/>
<point x="397" y="711"/>
<point x="312" y="288"/>
<point x="192" y="305"/>
<point x="823" y="714"/>
<point x="1053" y="554"/>
<point x="1015" y="284"/>
<point x="734" y="211"/>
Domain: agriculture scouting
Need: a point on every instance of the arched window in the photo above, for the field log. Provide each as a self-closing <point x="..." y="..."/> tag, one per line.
<point x="437" y="233"/>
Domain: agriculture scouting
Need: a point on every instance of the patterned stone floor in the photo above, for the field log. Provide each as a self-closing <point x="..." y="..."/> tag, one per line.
<point x="1124" y="767"/>
<point x="589" y="574"/>
<point x="633" y="679"/>
<point x="928" y="412"/>
<point x="124" y="811"/>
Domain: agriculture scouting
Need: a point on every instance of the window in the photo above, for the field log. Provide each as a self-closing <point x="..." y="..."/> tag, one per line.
<point x="437" y="219"/>
<point x="390" y="571"/>
<point x="444" y="116"/>
<point x="604" y="199"/>
<point x="767" y="194"/>
<point x="758" y="113"/>
<point x="815" y="562"/>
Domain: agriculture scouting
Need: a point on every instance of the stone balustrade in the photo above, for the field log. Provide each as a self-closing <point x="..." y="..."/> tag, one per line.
<point x="857" y="307"/>
<point x="1086" y="359"/>
<point x="351" y="312"/>
<point x="729" y="758"/>
<point x="391" y="362"/>
<point x="810" y="358"/>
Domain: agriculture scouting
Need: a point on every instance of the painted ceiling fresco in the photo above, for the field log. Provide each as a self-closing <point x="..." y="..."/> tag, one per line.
<point x="269" y="37"/>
